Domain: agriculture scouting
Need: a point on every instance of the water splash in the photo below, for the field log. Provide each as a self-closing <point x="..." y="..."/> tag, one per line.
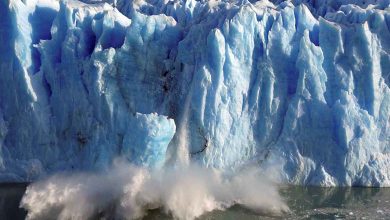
<point x="128" y="192"/>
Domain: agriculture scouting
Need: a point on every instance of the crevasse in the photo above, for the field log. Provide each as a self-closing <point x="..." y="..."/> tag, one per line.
<point x="298" y="88"/>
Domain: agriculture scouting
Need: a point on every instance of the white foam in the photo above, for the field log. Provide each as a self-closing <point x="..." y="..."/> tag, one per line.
<point x="128" y="192"/>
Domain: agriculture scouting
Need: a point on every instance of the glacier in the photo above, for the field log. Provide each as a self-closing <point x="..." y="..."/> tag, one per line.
<point x="299" y="88"/>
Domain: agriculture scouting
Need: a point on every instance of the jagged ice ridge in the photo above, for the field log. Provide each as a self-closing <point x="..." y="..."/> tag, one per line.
<point x="300" y="88"/>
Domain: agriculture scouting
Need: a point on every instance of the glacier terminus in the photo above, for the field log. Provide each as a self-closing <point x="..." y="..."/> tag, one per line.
<point x="299" y="88"/>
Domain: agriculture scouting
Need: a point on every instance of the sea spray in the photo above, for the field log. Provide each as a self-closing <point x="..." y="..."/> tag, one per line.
<point x="128" y="192"/>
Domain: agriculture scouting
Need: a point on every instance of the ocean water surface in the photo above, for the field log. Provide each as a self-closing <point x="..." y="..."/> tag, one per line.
<point x="304" y="203"/>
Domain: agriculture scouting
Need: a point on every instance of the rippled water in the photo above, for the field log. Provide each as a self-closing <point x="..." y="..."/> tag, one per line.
<point x="338" y="203"/>
<point x="304" y="202"/>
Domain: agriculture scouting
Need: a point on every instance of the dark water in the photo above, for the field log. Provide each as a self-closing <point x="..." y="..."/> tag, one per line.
<point x="338" y="203"/>
<point x="10" y="196"/>
<point x="304" y="202"/>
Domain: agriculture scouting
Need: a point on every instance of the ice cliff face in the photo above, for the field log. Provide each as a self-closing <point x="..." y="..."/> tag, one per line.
<point x="300" y="88"/>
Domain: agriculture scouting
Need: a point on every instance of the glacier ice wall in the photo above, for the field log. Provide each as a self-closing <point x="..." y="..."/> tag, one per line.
<point x="300" y="88"/>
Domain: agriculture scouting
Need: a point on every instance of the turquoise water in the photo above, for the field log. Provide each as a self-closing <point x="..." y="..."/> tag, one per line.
<point x="304" y="203"/>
